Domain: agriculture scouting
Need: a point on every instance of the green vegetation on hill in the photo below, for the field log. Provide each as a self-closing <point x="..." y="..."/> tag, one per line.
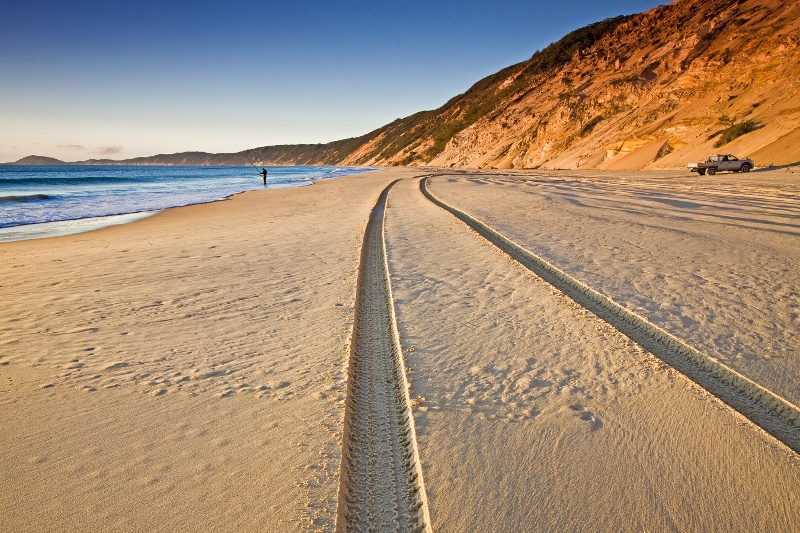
<point x="304" y="154"/>
<point x="734" y="131"/>
<point x="430" y="131"/>
<point x="559" y="53"/>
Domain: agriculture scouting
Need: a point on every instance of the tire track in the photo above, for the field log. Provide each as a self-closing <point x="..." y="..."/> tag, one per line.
<point x="775" y="415"/>
<point x="381" y="486"/>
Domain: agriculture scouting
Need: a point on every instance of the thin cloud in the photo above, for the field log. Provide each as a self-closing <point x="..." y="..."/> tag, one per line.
<point x="72" y="146"/>
<point x="109" y="150"/>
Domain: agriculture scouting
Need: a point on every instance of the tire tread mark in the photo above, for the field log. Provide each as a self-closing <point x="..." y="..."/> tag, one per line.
<point x="381" y="486"/>
<point x="772" y="413"/>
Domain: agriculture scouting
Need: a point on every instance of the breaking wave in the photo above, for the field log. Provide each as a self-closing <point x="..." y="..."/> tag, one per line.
<point x="26" y="198"/>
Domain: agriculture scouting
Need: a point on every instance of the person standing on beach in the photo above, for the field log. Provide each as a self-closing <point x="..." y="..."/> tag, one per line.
<point x="264" y="175"/>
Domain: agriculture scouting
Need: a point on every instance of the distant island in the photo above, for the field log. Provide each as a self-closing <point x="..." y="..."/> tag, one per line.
<point x="37" y="160"/>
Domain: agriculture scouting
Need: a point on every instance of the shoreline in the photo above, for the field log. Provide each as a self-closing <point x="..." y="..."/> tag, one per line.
<point x="58" y="228"/>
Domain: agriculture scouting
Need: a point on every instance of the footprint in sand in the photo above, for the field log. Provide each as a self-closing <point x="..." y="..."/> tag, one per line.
<point x="587" y="416"/>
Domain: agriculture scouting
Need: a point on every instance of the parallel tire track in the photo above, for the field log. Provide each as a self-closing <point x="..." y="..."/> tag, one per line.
<point x="381" y="486"/>
<point x="775" y="415"/>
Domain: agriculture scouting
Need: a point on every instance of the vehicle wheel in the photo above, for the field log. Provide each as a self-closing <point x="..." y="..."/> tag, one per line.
<point x="745" y="168"/>
<point x="701" y="171"/>
<point x="711" y="171"/>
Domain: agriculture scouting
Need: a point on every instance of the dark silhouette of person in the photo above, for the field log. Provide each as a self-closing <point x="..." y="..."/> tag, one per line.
<point x="264" y="175"/>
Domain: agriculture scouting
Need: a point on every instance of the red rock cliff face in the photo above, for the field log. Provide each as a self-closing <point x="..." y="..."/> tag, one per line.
<point x="656" y="90"/>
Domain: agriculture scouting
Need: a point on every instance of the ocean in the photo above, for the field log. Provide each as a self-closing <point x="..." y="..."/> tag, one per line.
<point x="43" y="201"/>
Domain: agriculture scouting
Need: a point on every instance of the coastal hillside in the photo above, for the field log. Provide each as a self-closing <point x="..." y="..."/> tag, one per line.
<point x="296" y="154"/>
<point x="652" y="90"/>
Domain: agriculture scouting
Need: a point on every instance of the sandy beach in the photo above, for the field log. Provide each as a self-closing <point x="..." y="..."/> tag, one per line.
<point x="189" y="371"/>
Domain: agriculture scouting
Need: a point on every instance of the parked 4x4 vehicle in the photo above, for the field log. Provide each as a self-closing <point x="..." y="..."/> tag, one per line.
<point x="716" y="162"/>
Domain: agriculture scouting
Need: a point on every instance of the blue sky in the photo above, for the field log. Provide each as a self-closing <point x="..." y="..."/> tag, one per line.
<point x="129" y="78"/>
